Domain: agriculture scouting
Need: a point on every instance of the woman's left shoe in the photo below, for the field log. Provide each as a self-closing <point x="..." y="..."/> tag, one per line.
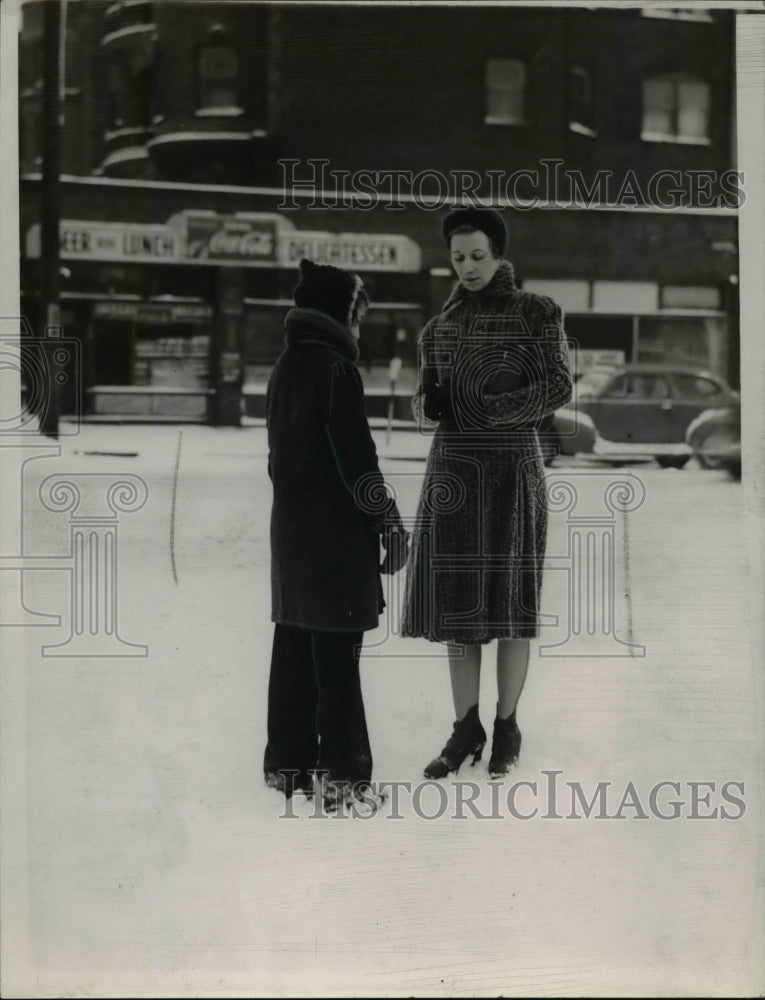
<point x="505" y="747"/>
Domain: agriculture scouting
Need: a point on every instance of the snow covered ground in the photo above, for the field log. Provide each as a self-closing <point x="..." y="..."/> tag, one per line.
<point x="158" y="864"/>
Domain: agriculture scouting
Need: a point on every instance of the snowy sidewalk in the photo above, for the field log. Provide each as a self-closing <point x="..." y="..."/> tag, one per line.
<point x="160" y="864"/>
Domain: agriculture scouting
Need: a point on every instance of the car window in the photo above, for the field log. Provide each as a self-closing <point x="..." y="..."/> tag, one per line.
<point x="617" y="389"/>
<point x="692" y="387"/>
<point x="647" y="386"/>
<point x="592" y="381"/>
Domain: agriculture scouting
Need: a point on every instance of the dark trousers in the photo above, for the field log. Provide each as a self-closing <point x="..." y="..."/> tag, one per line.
<point x="316" y="714"/>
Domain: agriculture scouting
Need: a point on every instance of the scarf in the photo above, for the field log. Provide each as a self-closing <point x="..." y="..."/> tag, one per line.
<point x="488" y="299"/>
<point x="309" y="326"/>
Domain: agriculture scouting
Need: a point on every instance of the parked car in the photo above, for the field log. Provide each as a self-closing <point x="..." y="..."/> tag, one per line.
<point x="714" y="437"/>
<point x="647" y="403"/>
<point x="569" y="433"/>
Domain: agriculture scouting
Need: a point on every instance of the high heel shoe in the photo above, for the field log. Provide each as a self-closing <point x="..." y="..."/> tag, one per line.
<point x="505" y="746"/>
<point x="468" y="737"/>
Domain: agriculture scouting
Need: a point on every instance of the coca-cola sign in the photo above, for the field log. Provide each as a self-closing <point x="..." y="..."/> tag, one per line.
<point x="219" y="237"/>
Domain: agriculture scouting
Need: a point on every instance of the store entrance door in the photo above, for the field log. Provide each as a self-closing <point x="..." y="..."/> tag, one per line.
<point x="113" y="354"/>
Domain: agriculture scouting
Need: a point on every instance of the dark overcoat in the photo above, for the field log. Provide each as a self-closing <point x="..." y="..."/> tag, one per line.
<point x="498" y="361"/>
<point x="329" y="498"/>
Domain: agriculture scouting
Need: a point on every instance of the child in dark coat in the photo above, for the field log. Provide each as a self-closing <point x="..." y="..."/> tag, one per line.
<point x="331" y="510"/>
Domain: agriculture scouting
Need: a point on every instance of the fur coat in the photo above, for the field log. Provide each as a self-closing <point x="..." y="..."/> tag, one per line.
<point x="493" y="367"/>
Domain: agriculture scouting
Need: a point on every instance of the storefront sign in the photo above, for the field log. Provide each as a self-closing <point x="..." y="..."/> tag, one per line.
<point x="357" y="251"/>
<point x="119" y="241"/>
<point x="247" y="239"/>
<point x="154" y="312"/>
<point x="231" y="238"/>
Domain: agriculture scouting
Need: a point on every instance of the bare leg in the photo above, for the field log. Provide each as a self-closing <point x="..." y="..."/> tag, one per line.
<point x="465" y="670"/>
<point x="512" y="665"/>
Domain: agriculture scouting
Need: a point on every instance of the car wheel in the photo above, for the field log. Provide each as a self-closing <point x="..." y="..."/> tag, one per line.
<point x="672" y="461"/>
<point x="710" y="449"/>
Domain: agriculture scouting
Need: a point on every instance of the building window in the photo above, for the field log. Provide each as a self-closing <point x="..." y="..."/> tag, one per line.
<point x="676" y="13"/>
<point x="130" y="96"/>
<point x="580" y="101"/>
<point x="505" y="91"/>
<point x="30" y="133"/>
<point x="31" y="67"/>
<point x="675" y="109"/>
<point x="217" y="78"/>
<point x="691" y="297"/>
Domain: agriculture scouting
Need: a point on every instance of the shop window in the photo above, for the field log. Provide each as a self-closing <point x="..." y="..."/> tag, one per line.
<point x="217" y="78"/>
<point x="505" y="91"/>
<point x="177" y="360"/>
<point x="675" y="109"/>
<point x="580" y="101"/>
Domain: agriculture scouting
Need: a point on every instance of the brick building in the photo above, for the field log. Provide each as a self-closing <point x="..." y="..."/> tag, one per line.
<point x="207" y="146"/>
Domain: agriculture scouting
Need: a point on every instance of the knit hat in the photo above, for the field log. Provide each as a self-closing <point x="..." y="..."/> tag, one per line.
<point x="330" y="290"/>
<point x="485" y="220"/>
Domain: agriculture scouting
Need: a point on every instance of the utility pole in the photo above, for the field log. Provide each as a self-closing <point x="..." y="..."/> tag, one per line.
<point x="50" y="311"/>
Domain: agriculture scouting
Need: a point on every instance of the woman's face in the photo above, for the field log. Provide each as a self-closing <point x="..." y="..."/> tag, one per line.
<point x="473" y="260"/>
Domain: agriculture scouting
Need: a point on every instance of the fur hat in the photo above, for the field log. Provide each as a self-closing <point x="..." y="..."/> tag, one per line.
<point x="485" y="220"/>
<point x="329" y="290"/>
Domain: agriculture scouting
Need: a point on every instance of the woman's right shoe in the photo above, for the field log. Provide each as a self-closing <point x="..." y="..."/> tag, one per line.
<point x="468" y="737"/>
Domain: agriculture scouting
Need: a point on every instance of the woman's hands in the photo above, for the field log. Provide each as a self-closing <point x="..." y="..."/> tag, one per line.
<point x="437" y="402"/>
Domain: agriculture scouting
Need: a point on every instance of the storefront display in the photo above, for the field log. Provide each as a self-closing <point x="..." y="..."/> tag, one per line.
<point x="180" y="311"/>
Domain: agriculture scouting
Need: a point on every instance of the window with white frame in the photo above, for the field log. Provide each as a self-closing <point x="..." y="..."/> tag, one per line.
<point x="505" y="91"/>
<point x="675" y="109"/>
<point x="580" y="101"/>
<point x="218" y="78"/>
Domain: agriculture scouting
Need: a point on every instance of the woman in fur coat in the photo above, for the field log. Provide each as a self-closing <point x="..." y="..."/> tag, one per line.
<point x="330" y="512"/>
<point x="493" y="368"/>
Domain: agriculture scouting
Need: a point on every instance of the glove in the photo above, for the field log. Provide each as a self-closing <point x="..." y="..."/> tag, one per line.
<point x="437" y="403"/>
<point x="396" y="543"/>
